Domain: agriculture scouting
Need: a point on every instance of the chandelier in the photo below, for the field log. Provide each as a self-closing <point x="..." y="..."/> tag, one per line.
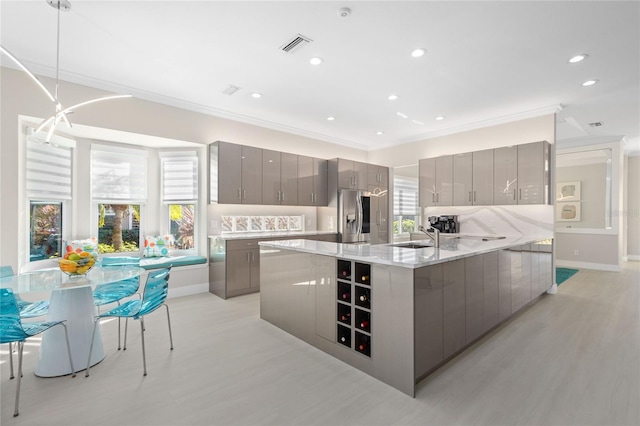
<point x="61" y="112"/>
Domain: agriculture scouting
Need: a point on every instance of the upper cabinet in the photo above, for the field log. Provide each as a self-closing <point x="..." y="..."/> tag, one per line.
<point x="279" y="178"/>
<point x="312" y="181"/>
<point x="235" y="174"/>
<point x="352" y="174"/>
<point x="436" y="181"/>
<point x="503" y="176"/>
<point x="377" y="176"/>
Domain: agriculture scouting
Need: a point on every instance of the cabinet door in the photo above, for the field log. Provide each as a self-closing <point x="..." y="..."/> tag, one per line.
<point x="324" y="268"/>
<point x="254" y="265"/>
<point x="428" y="318"/>
<point x="444" y="180"/>
<point x="504" y="284"/>
<point x="345" y="174"/>
<point x="520" y="277"/>
<point x="289" y="179"/>
<point x="251" y="175"/>
<point x="320" y="175"/>
<point x="305" y="180"/>
<point x="462" y="183"/>
<point x="474" y="297"/>
<point x="531" y="173"/>
<point x="270" y="177"/>
<point x="238" y="270"/>
<point x="491" y="290"/>
<point x="383" y="172"/>
<point x="374" y="215"/>
<point x="505" y="175"/>
<point x="453" y="296"/>
<point x="427" y="182"/>
<point x="483" y="178"/>
<point x="383" y="213"/>
<point x="360" y="175"/>
<point x="229" y="173"/>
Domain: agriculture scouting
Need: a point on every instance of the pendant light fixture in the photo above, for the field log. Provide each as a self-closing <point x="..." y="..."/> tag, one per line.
<point x="60" y="111"/>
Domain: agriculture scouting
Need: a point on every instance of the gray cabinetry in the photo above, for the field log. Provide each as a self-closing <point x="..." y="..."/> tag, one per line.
<point x="238" y="171"/>
<point x="243" y="271"/>
<point x="504" y="284"/>
<point x="533" y="173"/>
<point x="377" y="176"/>
<point x="505" y="175"/>
<point x="324" y="269"/>
<point x="279" y="178"/>
<point x="491" y="313"/>
<point x="474" y="298"/>
<point x="312" y="181"/>
<point x="483" y="178"/>
<point x="352" y="174"/>
<point x="462" y="179"/>
<point x="436" y="181"/>
<point x="428" y="318"/>
<point x="453" y="296"/>
<point x="379" y="209"/>
<point x="520" y="277"/>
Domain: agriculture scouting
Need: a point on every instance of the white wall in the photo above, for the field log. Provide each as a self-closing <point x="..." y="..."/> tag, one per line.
<point x="632" y="208"/>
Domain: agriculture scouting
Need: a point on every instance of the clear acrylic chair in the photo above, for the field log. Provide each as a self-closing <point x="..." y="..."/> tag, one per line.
<point x="154" y="296"/>
<point x="27" y="310"/>
<point x="106" y="294"/>
<point x="13" y="330"/>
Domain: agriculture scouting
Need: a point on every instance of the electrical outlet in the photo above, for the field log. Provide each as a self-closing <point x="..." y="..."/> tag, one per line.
<point x="576" y="252"/>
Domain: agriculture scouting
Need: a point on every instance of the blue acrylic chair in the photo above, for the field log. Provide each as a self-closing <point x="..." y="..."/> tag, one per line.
<point x="154" y="296"/>
<point x="114" y="292"/>
<point x="27" y="310"/>
<point x="13" y="330"/>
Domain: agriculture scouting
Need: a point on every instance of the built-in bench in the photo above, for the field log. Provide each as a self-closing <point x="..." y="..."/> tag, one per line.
<point x="171" y="261"/>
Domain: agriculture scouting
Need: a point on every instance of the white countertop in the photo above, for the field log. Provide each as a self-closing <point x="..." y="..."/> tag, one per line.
<point x="450" y="249"/>
<point x="251" y="235"/>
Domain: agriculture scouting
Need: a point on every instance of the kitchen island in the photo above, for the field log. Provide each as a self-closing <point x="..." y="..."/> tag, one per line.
<point x="399" y="313"/>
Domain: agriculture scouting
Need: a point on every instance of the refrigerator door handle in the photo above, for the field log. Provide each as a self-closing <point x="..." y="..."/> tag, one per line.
<point x="358" y="216"/>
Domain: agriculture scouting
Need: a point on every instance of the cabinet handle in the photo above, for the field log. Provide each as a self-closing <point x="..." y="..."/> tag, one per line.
<point x="239" y="193"/>
<point x="244" y="194"/>
<point x="514" y="194"/>
<point x="474" y="196"/>
<point x="469" y="196"/>
<point x="248" y="259"/>
<point x="520" y="194"/>
<point x="437" y="197"/>
<point x="433" y="197"/>
<point x="282" y="196"/>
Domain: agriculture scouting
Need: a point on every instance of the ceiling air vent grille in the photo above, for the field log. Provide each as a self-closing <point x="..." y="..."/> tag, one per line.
<point x="295" y="43"/>
<point x="595" y="124"/>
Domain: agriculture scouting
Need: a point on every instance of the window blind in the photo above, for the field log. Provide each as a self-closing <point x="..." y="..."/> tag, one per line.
<point x="179" y="177"/>
<point x="49" y="172"/>
<point x="118" y="175"/>
<point x="405" y="196"/>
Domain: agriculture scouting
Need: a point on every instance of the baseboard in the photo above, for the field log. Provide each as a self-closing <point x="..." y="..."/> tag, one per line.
<point x="588" y="265"/>
<point x="188" y="290"/>
<point x="633" y="257"/>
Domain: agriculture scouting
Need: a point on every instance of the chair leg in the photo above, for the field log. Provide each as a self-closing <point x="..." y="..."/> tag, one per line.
<point x="93" y="336"/>
<point x="118" y="329"/>
<point x="126" y="326"/>
<point x="66" y="335"/>
<point x="169" y="322"/>
<point x="144" y="358"/>
<point x="20" y="349"/>
<point x="11" y="360"/>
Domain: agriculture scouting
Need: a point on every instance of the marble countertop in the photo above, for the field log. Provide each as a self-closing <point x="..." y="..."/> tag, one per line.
<point x="251" y="235"/>
<point x="451" y="248"/>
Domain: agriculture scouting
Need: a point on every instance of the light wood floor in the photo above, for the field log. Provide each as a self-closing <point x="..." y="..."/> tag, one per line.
<point x="571" y="359"/>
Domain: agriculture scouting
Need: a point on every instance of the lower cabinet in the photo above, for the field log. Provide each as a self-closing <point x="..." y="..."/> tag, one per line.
<point x="243" y="271"/>
<point x="453" y="298"/>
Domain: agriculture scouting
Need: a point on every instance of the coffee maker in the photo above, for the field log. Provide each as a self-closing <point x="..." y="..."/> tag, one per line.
<point x="445" y="224"/>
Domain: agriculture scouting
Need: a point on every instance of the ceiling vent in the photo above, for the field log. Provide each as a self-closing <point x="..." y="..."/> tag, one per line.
<point x="595" y="124"/>
<point x="295" y="43"/>
<point x="231" y="90"/>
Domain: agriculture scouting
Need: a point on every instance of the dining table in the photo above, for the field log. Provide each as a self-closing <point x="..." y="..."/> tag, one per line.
<point x="71" y="299"/>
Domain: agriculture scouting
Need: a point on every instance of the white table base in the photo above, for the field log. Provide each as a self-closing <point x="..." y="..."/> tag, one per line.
<point x="76" y="306"/>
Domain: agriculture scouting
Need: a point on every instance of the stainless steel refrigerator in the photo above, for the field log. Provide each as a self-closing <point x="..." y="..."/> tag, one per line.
<point x="354" y="217"/>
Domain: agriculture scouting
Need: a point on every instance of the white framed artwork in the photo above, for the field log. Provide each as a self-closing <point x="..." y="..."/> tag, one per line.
<point x="568" y="191"/>
<point x="568" y="211"/>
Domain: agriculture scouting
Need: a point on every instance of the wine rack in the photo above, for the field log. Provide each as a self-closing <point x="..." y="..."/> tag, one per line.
<point x="354" y="306"/>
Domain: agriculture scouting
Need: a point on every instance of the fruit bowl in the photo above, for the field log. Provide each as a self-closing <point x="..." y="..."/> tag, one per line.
<point x="77" y="263"/>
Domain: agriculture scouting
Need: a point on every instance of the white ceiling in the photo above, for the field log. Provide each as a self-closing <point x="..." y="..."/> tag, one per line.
<point x="486" y="62"/>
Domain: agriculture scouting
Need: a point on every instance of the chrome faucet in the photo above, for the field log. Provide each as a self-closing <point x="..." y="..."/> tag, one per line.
<point x="435" y="236"/>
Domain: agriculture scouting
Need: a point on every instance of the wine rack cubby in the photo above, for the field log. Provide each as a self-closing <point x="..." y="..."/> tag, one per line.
<point x="354" y="306"/>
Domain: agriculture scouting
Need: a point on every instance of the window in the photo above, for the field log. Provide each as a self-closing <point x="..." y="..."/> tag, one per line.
<point x="179" y="194"/>
<point x="48" y="180"/>
<point x="406" y="214"/>
<point x="119" y="189"/>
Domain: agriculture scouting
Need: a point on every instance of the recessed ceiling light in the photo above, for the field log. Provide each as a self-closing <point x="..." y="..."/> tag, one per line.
<point x="392" y="97"/>
<point x="315" y="61"/>
<point x="256" y="95"/>
<point x="578" y="58"/>
<point x="440" y="117"/>
<point x="589" y="83"/>
<point x="331" y="118"/>
<point x="379" y="132"/>
<point x="402" y="115"/>
<point x="418" y="52"/>
<point x="417" y="122"/>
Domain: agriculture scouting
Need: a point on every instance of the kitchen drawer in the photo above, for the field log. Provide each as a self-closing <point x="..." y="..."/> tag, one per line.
<point x="243" y="244"/>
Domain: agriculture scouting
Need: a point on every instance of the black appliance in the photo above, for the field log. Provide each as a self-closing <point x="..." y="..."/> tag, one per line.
<point x="445" y="224"/>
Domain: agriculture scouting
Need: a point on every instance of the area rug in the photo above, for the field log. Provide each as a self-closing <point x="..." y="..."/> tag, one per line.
<point x="563" y="274"/>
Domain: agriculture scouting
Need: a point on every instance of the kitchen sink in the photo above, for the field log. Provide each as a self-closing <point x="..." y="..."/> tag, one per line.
<point x="413" y="245"/>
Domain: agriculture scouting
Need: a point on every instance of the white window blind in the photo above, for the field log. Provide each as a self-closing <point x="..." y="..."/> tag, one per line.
<point x="405" y="196"/>
<point x="179" y="177"/>
<point x="49" y="172"/>
<point x="118" y="175"/>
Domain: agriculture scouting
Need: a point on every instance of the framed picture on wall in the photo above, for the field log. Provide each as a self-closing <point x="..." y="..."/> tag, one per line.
<point x="568" y="211"/>
<point x="567" y="191"/>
